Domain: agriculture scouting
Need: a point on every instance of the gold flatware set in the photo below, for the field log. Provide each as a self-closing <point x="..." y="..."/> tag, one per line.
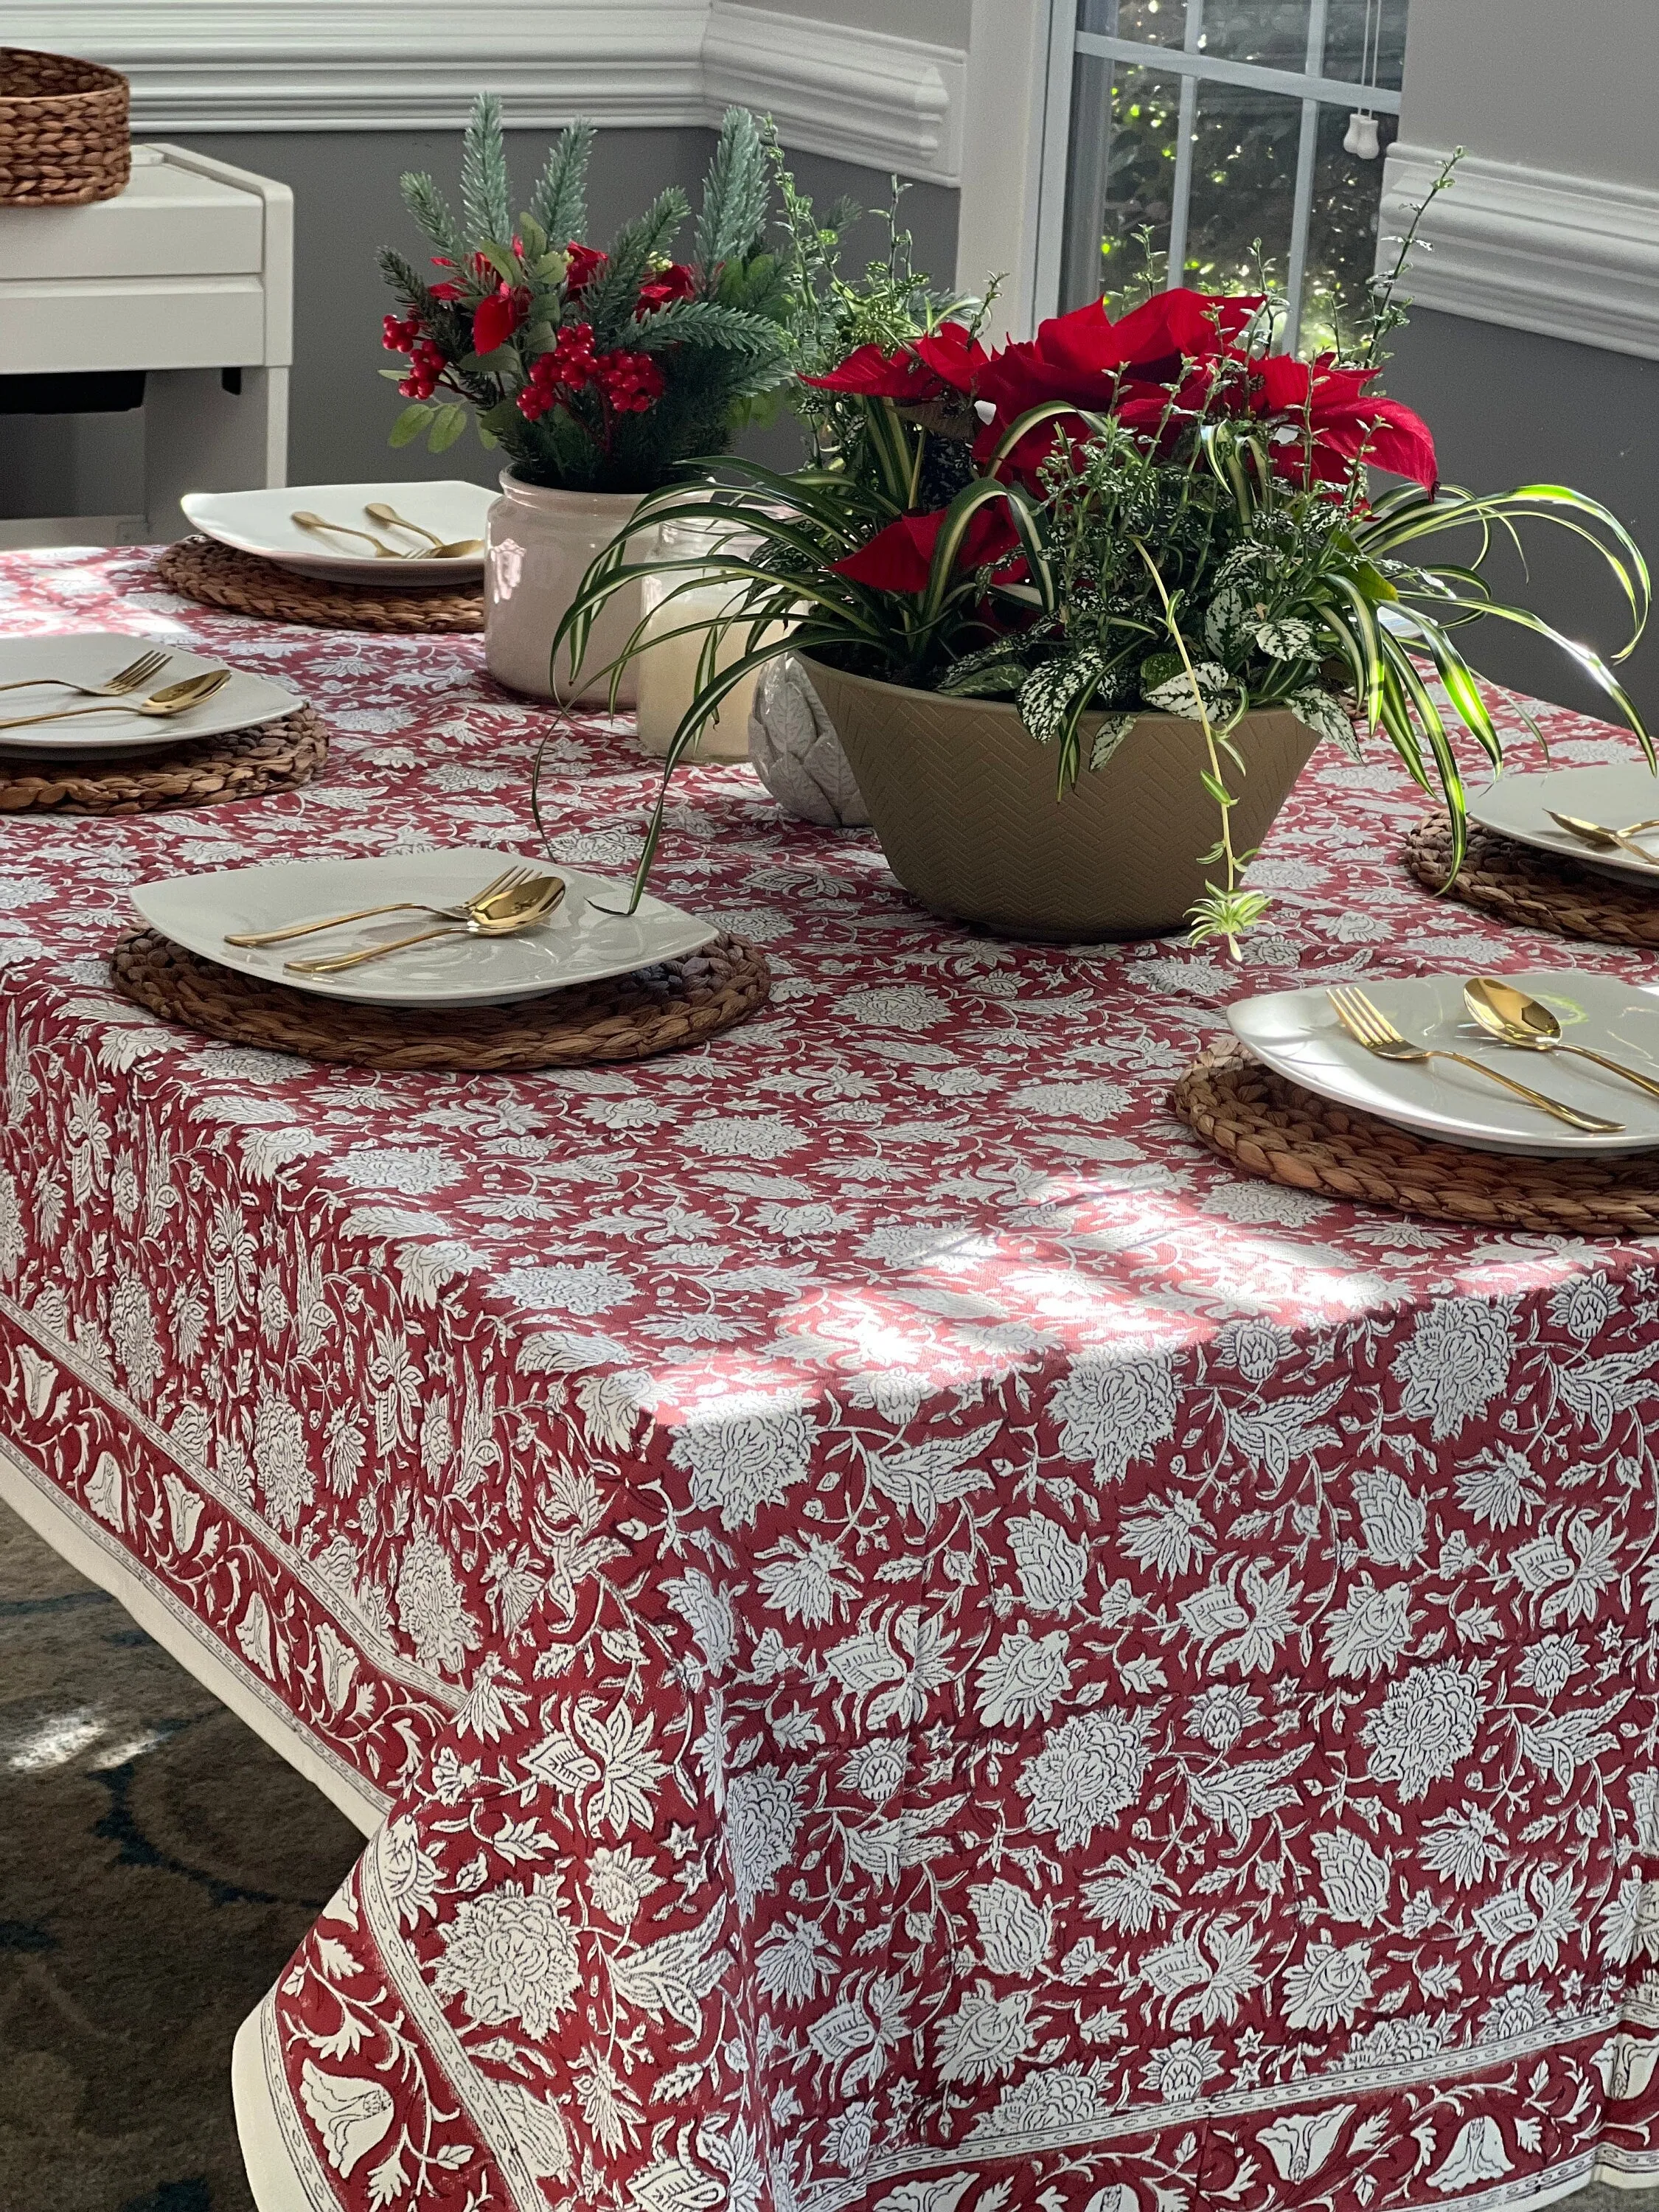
<point x="1368" y="1025"/>
<point x="433" y="549"/>
<point x="524" y="904"/>
<point x="1510" y="1016"/>
<point x="516" y="900"/>
<point x="1601" y="838"/>
<point x="172" y="699"/>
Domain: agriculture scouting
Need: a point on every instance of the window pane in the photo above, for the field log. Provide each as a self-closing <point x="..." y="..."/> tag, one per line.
<point x="1345" y="41"/>
<point x="1152" y="22"/>
<point x="1272" y="32"/>
<point x="1342" y="233"/>
<point x="1124" y="128"/>
<point x="1243" y="187"/>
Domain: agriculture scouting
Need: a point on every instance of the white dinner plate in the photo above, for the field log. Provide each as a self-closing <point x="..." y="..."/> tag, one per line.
<point x="261" y="522"/>
<point x="579" y="944"/>
<point x="1519" y="806"/>
<point x="92" y="657"/>
<point x="1297" y="1035"/>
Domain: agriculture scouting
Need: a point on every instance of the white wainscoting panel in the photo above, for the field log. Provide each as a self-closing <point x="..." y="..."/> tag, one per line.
<point x="1573" y="257"/>
<point x="869" y="97"/>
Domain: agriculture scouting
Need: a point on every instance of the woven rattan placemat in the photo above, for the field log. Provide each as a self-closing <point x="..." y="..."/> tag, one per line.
<point x="1267" y="1126"/>
<point x="220" y="576"/>
<point x="275" y="756"/>
<point x="1515" y="883"/>
<point x="634" y="1017"/>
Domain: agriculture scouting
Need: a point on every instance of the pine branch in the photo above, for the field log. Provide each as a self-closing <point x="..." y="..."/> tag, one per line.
<point x="433" y="213"/>
<point x="734" y="193"/>
<point x="403" y="276"/>
<point x="608" y="304"/>
<point x="706" y="323"/>
<point x="484" y="188"/>
<point x="560" y="202"/>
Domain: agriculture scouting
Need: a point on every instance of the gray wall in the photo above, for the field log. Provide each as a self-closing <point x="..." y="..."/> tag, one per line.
<point x="1558" y="87"/>
<point x="346" y="207"/>
<point x="1507" y="408"/>
<point x="1555" y="84"/>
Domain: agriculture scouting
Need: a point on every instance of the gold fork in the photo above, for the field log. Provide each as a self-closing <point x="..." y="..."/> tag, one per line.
<point x="1369" y="1026"/>
<point x="509" y="879"/>
<point x="132" y="678"/>
<point x="173" y="699"/>
<point x="525" y="907"/>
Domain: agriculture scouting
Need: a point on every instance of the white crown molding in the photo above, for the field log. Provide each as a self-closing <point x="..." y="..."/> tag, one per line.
<point x="1574" y="258"/>
<point x="864" y="96"/>
<point x="237" y="65"/>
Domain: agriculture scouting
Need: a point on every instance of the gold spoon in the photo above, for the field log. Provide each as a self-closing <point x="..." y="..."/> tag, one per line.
<point x="389" y="518"/>
<point x="307" y="520"/>
<point x="1601" y="839"/>
<point x="525" y="907"/>
<point x="1513" y="1018"/>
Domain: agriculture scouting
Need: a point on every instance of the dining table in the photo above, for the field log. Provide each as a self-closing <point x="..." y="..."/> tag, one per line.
<point x="901" y="1636"/>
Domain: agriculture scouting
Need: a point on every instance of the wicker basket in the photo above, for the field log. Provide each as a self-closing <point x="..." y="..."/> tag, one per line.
<point x="63" y="133"/>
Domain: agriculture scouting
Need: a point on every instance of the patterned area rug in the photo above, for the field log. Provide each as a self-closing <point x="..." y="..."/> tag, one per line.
<point x="157" y="1866"/>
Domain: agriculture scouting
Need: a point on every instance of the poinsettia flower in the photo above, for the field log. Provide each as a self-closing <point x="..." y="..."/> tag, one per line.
<point x="949" y="359"/>
<point x="677" y="282"/>
<point x="1126" y="368"/>
<point x="496" y="317"/>
<point x="583" y="264"/>
<point x="900" y="558"/>
<point x="1327" y="420"/>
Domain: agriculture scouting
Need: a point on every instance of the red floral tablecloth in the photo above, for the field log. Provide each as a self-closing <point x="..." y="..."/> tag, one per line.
<point x="924" y="1646"/>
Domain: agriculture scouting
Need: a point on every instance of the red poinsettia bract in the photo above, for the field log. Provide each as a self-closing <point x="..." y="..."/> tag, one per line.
<point x="900" y="558"/>
<point x="1326" y="420"/>
<point x="948" y="360"/>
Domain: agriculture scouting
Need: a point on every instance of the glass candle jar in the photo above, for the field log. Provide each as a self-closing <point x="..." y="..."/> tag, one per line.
<point x="667" y="667"/>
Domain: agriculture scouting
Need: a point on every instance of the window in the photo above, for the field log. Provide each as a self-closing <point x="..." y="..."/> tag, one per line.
<point x="1201" y="127"/>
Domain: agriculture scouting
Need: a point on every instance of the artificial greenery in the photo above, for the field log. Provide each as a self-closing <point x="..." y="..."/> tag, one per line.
<point x="594" y="370"/>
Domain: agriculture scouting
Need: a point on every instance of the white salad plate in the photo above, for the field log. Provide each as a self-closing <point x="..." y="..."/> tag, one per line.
<point x="92" y="657"/>
<point x="1519" y="806"/>
<point x="1297" y="1035"/>
<point x="580" y="943"/>
<point x="262" y="522"/>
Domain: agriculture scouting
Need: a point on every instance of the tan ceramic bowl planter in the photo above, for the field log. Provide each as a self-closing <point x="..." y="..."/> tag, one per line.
<point x="964" y="804"/>
<point x="538" y="546"/>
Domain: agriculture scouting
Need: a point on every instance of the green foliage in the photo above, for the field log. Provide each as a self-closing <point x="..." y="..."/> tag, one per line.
<point x="430" y="207"/>
<point x="558" y="205"/>
<point x="483" y="174"/>
<point x="735" y="196"/>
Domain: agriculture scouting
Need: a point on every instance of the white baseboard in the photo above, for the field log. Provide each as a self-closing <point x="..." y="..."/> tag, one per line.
<point x="870" y="97"/>
<point x="1573" y="257"/>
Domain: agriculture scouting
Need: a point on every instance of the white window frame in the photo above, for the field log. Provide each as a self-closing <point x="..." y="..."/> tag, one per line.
<point x="1194" y="67"/>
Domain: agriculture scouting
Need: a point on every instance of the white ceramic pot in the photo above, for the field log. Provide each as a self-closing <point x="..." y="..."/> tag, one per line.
<point x="538" y="546"/>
